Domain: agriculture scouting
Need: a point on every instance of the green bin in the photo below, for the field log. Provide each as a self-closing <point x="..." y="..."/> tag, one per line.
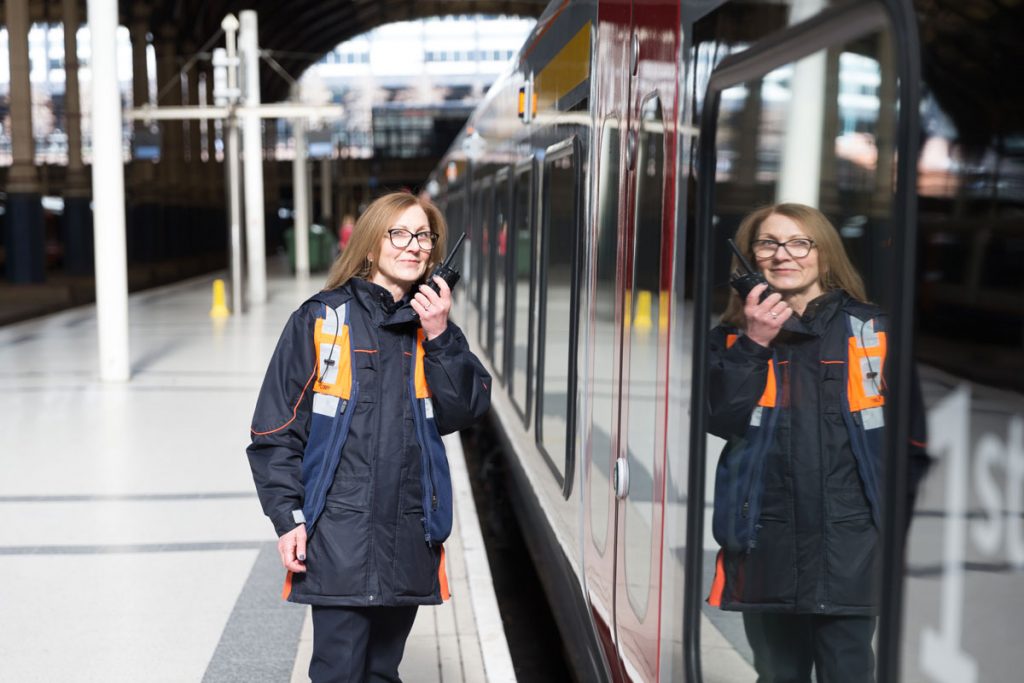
<point x="321" y="247"/>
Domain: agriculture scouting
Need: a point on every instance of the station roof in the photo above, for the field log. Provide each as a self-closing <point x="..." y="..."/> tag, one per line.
<point x="298" y="32"/>
<point x="970" y="50"/>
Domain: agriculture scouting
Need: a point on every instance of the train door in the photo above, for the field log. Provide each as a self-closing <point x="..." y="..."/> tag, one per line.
<point x="647" y="241"/>
<point x="801" y="110"/>
<point x="602" y="371"/>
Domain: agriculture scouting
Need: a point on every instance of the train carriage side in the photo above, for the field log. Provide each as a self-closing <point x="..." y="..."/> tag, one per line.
<point x="516" y="181"/>
<point x="598" y="264"/>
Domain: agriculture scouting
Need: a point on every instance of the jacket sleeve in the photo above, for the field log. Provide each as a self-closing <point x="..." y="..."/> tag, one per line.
<point x="280" y="423"/>
<point x="460" y="386"/>
<point x="736" y="380"/>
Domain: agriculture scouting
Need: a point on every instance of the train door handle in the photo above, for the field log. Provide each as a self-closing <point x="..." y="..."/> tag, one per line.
<point x="621" y="478"/>
<point x="631" y="150"/>
<point x="634" y="55"/>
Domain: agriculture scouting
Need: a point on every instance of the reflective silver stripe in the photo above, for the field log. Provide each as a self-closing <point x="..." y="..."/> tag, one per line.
<point x="755" y="417"/>
<point x="864" y="332"/>
<point x="332" y="320"/>
<point x="298" y="517"/>
<point x="873" y="418"/>
<point x="428" y="408"/>
<point x="325" y="404"/>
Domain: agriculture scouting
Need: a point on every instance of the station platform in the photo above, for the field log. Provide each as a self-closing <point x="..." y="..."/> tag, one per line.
<point x="134" y="547"/>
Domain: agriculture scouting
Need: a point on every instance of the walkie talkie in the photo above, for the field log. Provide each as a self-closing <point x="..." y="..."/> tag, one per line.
<point x="446" y="271"/>
<point x="749" y="278"/>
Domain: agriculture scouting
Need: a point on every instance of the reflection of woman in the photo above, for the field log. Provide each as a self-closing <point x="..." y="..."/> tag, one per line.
<point x="796" y="389"/>
<point x="346" y="450"/>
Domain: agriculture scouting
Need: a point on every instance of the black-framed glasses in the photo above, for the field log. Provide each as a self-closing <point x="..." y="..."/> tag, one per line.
<point x="401" y="238"/>
<point x="797" y="247"/>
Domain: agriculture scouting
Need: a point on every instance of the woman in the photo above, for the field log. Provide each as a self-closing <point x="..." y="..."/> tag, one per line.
<point x="797" y="391"/>
<point x="346" y="450"/>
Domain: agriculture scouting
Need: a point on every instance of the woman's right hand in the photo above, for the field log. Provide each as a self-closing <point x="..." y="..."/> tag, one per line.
<point x="292" y="548"/>
<point x="765" y="318"/>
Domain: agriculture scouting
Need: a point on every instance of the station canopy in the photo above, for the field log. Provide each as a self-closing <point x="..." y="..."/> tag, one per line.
<point x="299" y="32"/>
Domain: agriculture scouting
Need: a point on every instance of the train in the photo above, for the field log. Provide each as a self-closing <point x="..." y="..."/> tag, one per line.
<point x="598" y="182"/>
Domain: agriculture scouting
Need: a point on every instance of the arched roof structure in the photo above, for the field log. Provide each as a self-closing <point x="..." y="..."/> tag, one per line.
<point x="297" y="32"/>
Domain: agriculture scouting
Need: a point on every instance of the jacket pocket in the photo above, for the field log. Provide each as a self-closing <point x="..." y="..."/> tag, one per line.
<point x="769" y="570"/>
<point x="351" y="487"/>
<point x="851" y="550"/>
<point x="337" y="556"/>
<point x="416" y="563"/>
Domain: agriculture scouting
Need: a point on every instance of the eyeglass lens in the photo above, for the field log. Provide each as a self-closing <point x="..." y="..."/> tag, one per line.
<point x="401" y="238"/>
<point x="797" y="248"/>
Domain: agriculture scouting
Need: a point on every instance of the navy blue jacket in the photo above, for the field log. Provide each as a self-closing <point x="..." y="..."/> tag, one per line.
<point x="797" y="506"/>
<point x="346" y="439"/>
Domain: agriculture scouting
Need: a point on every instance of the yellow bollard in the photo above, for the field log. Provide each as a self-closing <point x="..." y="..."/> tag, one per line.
<point x="220" y="305"/>
<point x="642" y="322"/>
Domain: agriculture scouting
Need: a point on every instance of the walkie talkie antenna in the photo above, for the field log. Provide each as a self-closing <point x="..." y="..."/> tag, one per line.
<point x="451" y="252"/>
<point x="742" y="259"/>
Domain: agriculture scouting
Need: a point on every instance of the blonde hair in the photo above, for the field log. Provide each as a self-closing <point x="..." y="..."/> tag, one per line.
<point x="360" y="256"/>
<point x="835" y="271"/>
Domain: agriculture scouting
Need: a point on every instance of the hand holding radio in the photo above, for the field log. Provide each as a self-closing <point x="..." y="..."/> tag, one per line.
<point x="746" y="278"/>
<point x="432" y="302"/>
<point x="763" y="307"/>
<point x="446" y="271"/>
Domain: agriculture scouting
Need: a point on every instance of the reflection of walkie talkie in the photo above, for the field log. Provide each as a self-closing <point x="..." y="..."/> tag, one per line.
<point x="446" y="271"/>
<point x="745" y="281"/>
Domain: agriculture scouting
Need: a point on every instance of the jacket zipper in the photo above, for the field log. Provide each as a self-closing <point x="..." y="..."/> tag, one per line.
<point x="421" y="428"/>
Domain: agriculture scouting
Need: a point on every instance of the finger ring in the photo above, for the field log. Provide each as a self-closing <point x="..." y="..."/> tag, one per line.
<point x="427" y="307"/>
<point x="774" y="314"/>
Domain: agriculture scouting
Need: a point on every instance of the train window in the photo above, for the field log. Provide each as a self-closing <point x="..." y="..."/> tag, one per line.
<point x="556" y="390"/>
<point x="965" y="552"/>
<point x="605" y="337"/>
<point x="453" y="215"/>
<point x="647" y="329"/>
<point x="484" y="201"/>
<point x="521" y="292"/>
<point x="800" y="172"/>
<point x="499" y="274"/>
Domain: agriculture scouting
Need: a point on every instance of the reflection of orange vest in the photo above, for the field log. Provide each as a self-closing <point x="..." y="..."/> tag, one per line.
<point x="865" y="359"/>
<point x="739" y="476"/>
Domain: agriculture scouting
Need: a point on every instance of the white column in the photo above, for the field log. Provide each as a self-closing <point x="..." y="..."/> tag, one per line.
<point x="300" y="200"/>
<point x="800" y="167"/>
<point x="108" y="193"/>
<point x="231" y="165"/>
<point x="253" y="154"/>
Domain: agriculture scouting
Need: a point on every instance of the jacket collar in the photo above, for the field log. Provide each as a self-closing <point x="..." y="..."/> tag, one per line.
<point x="381" y="305"/>
<point x="818" y="314"/>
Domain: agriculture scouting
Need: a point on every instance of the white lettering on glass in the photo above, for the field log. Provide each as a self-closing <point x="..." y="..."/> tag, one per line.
<point x="942" y="655"/>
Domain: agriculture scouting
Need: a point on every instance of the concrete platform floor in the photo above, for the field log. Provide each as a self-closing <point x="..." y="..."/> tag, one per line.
<point x="134" y="547"/>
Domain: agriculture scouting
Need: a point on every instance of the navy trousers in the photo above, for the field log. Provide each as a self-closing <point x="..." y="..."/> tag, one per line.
<point x="787" y="645"/>
<point x="359" y="644"/>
